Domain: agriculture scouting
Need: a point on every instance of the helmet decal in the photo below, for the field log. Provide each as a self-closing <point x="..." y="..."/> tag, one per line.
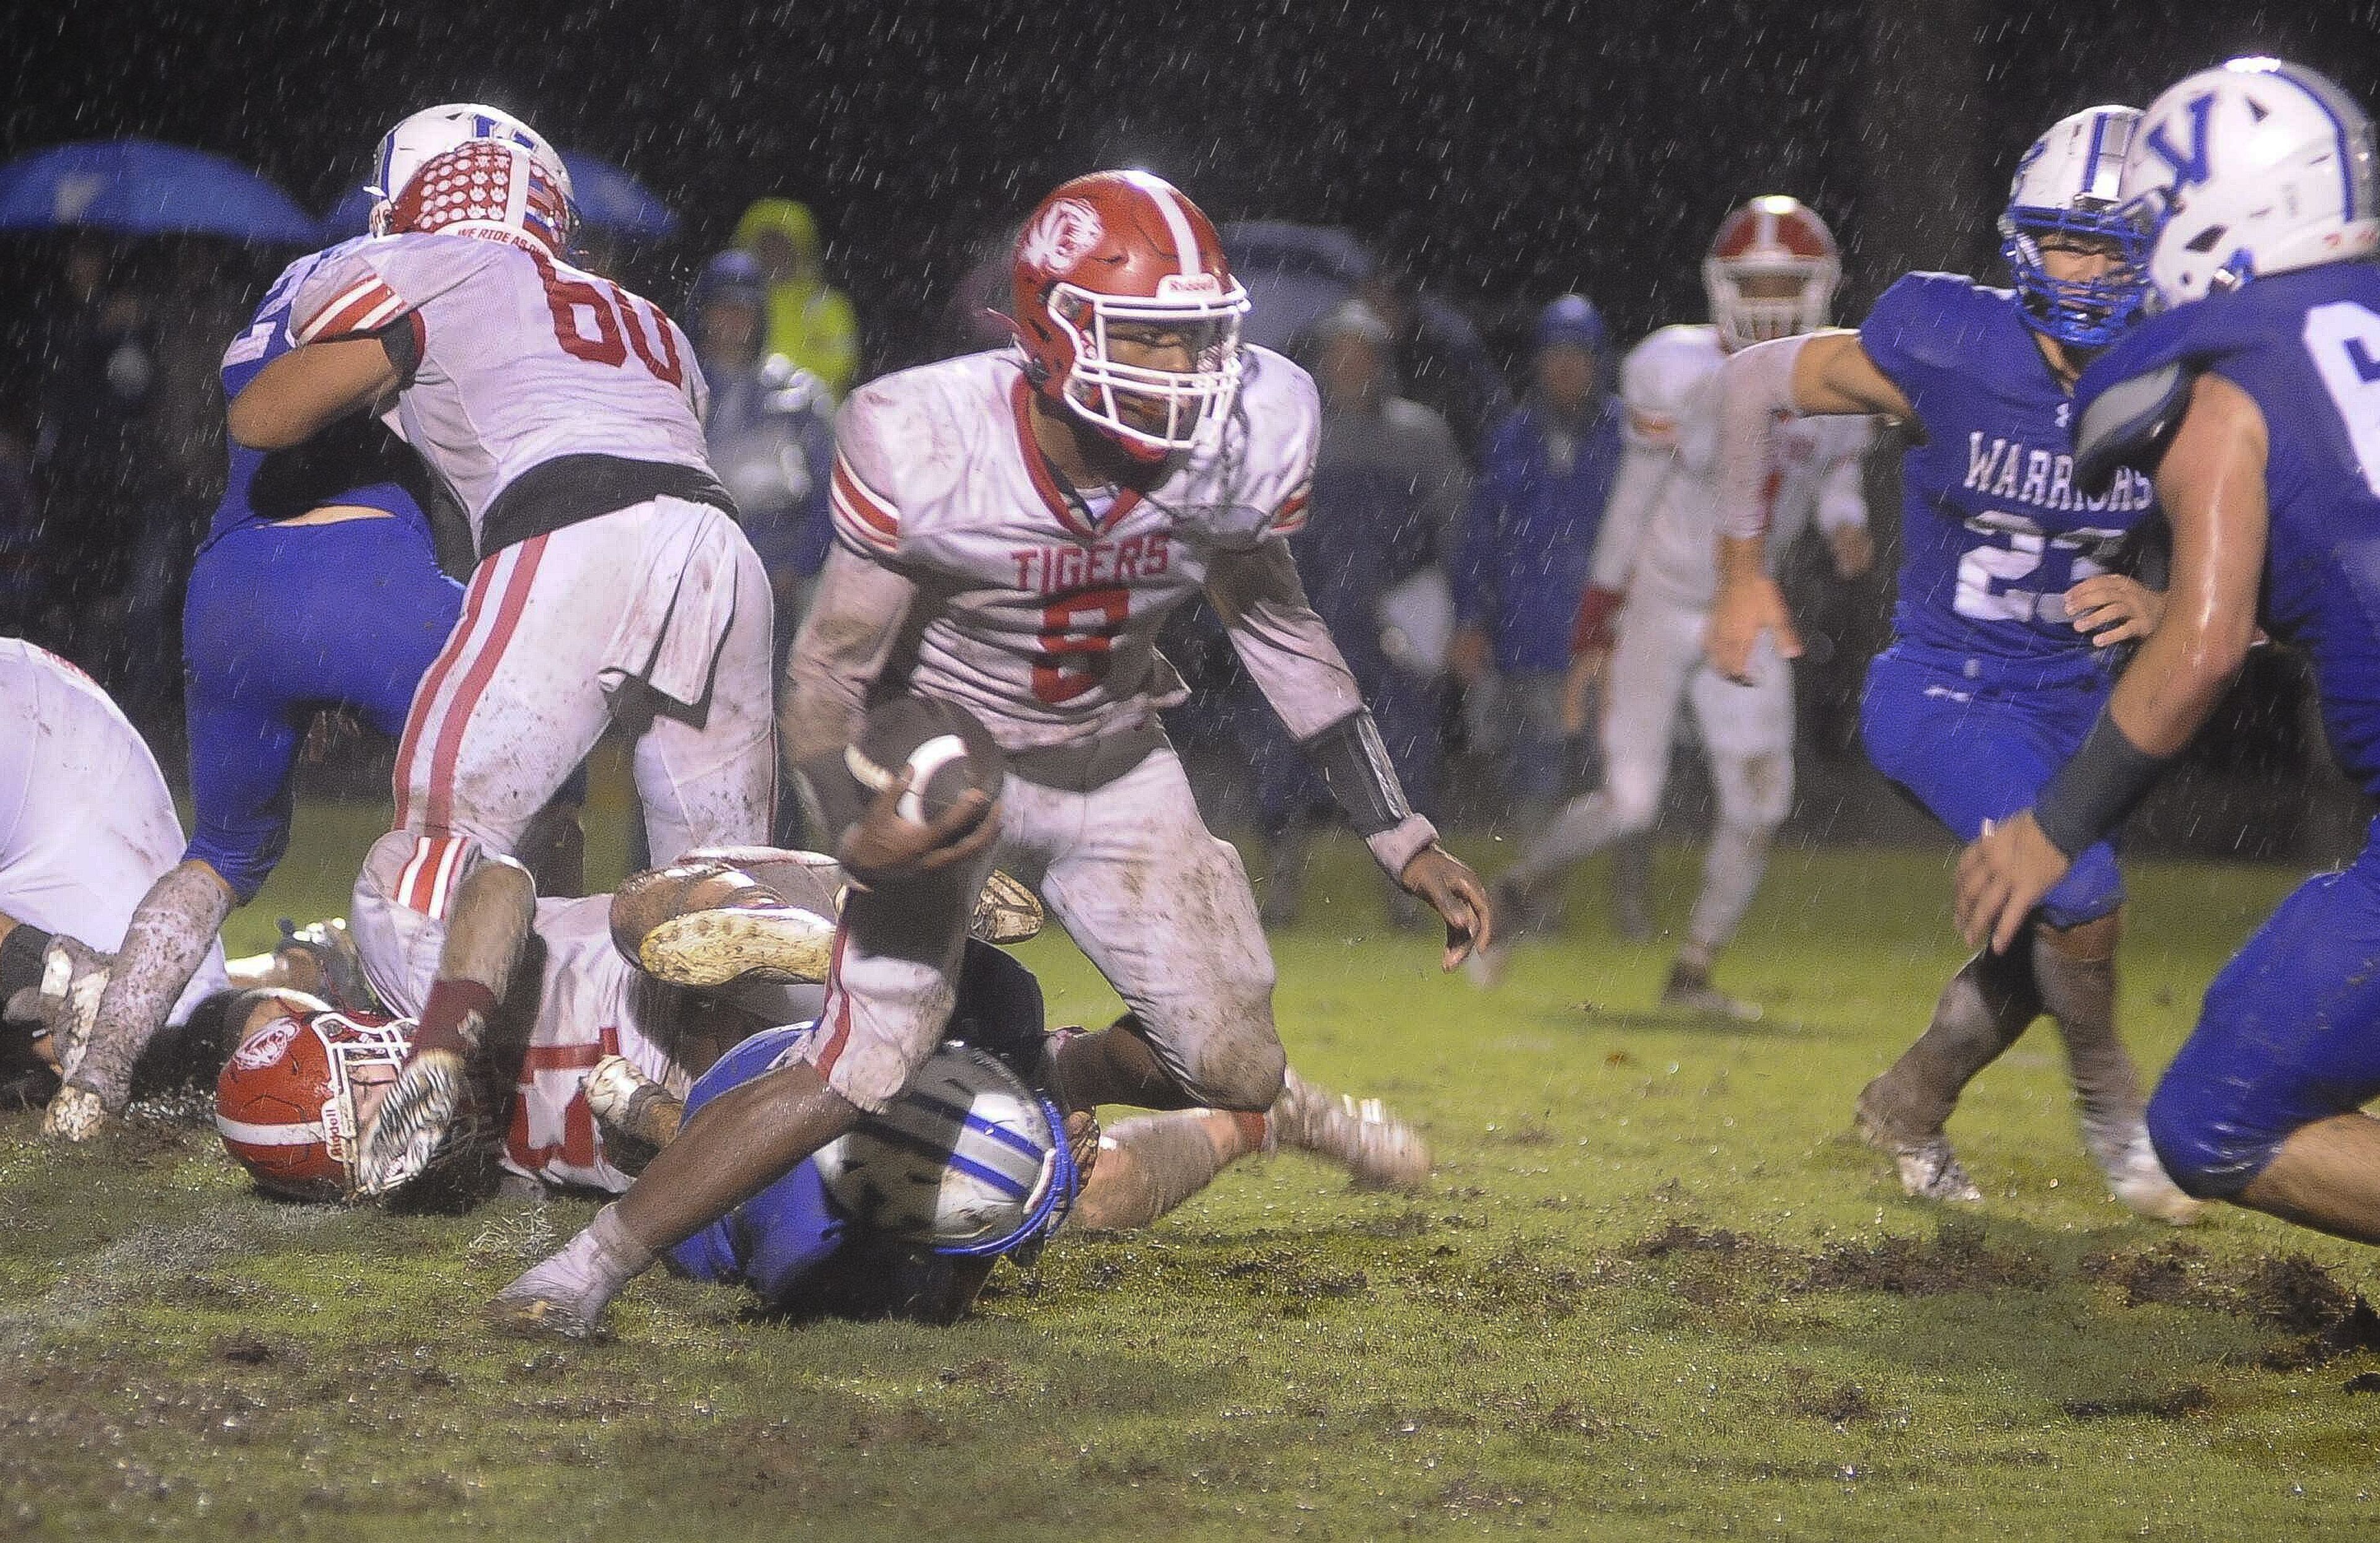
<point x="1060" y="237"/>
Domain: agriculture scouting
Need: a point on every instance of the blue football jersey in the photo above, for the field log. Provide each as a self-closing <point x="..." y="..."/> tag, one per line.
<point x="1994" y="530"/>
<point x="2306" y="348"/>
<point x="356" y="461"/>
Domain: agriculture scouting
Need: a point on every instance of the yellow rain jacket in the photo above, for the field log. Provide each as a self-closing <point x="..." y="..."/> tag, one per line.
<point x="808" y="322"/>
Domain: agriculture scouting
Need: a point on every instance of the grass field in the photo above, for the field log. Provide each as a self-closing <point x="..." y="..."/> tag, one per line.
<point x="1655" y="1291"/>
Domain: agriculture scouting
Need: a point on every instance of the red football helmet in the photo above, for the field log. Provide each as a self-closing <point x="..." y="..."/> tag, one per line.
<point x="488" y="188"/>
<point x="291" y="1102"/>
<point x="1774" y="238"/>
<point x="1126" y="247"/>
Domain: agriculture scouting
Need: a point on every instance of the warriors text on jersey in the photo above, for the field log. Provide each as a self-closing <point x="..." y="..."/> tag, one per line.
<point x="2305" y="346"/>
<point x="1666" y="552"/>
<point x="1045" y="605"/>
<point x="523" y="361"/>
<point x="1994" y="527"/>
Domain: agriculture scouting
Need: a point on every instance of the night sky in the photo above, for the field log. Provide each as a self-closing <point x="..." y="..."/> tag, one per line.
<point x="1507" y="150"/>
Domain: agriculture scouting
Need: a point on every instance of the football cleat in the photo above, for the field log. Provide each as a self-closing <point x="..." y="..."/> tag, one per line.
<point x="1929" y="1169"/>
<point x="1006" y="912"/>
<point x="2136" y="1178"/>
<point x="75" y="1113"/>
<point x="1690" y="990"/>
<point x="74" y="977"/>
<point x="1363" y="1137"/>
<point x="754" y="935"/>
<point x="412" y="1122"/>
<point x="627" y="1103"/>
<point x="333" y="949"/>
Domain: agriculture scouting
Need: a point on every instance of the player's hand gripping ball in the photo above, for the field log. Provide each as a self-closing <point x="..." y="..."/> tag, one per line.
<point x="936" y="772"/>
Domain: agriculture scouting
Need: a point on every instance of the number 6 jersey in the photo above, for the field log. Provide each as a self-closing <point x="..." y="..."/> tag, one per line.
<point x="1994" y="527"/>
<point x="1039" y="607"/>
<point x="522" y="360"/>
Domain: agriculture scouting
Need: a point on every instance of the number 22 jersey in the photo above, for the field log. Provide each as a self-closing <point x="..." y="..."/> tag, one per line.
<point x="2305" y="346"/>
<point x="523" y="361"/>
<point x="1994" y="527"/>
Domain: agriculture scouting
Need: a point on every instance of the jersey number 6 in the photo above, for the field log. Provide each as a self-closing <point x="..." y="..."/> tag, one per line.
<point x="618" y="327"/>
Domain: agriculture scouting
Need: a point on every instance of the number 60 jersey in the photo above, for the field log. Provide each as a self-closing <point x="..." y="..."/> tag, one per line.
<point x="1995" y="526"/>
<point x="1039" y="607"/>
<point x="521" y="359"/>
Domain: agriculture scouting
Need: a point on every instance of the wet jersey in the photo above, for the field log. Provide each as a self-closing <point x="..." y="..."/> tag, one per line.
<point x="1660" y="535"/>
<point x="1994" y="530"/>
<point x="355" y="462"/>
<point x="1040" y="608"/>
<point x="2305" y="346"/>
<point x="523" y="361"/>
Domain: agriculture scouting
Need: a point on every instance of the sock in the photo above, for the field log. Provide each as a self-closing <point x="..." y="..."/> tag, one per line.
<point x="167" y="938"/>
<point x="1980" y="1014"/>
<point x="2074" y="970"/>
<point x="454" y="1017"/>
<point x="1151" y="1163"/>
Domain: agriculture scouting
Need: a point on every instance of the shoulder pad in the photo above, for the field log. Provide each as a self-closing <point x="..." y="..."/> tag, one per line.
<point x="2129" y="424"/>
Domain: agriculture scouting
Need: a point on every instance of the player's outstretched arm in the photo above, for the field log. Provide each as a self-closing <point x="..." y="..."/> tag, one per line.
<point x="310" y="388"/>
<point x="2212" y="486"/>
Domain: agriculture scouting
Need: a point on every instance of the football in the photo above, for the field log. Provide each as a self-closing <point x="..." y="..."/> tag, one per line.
<point x="946" y="749"/>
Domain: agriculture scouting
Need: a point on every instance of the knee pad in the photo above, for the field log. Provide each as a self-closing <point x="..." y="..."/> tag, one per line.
<point x="1244" y="1077"/>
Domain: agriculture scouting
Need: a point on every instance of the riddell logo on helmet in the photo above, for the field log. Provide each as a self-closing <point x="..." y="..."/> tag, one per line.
<point x="1059" y="239"/>
<point x="264" y="1046"/>
<point x="1175" y="287"/>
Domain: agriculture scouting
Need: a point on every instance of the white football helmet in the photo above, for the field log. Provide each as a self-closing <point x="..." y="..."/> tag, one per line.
<point x="434" y="130"/>
<point x="967" y="1160"/>
<point x="2069" y="183"/>
<point x="1771" y="237"/>
<point x="2251" y="168"/>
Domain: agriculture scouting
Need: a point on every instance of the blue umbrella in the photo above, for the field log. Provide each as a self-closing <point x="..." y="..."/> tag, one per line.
<point x="141" y="188"/>
<point x="608" y="199"/>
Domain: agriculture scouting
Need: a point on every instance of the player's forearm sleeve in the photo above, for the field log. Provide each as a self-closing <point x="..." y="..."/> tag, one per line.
<point x="1754" y="386"/>
<point x="1355" y="768"/>
<point x="1287" y="649"/>
<point x="2092" y="793"/>
<point x="841" y="648"/>
<point x="1627" y="511"/>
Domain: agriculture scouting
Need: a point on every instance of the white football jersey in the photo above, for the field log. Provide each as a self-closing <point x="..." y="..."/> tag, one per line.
<point x="523" y="359"/>
<point x="1038" y="610"/>
<point x="1669" y="384"/>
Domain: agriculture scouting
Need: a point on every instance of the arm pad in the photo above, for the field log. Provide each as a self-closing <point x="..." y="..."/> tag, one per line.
<point x="2092" y="793"/>
<point x="1754" y="386"/>
<point x="2129" y="424"/>
<point x="1354" y="767"/>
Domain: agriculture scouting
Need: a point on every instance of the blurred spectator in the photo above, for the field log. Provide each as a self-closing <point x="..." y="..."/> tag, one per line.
<point x="1389" y="483"/>
<point x="808" y="322"/>
<point x="1439" y="355"/>
<point x="1521" y="562"/>
<point x="93" y="473"/>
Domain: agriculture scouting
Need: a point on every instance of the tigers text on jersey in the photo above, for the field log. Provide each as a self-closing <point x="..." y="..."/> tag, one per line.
<point x="1994" y="530"/>
<point x="523" y="359"/>
<point x="1669" y="384"/>
<point x="1041" y="609"/>
<point x="2305" y="346"/>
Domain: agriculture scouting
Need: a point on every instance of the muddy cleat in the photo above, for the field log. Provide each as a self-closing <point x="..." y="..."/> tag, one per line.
<point x="753" y="935"/>
<point x="2137" y="1179"/>
<point x="1006" y="912"/>
<point x="412" y="1122"/>
<point x="627" y="1103"/>
<point x="1364" y="1138"/>
<point x="1690" y="990"/>
<point x="73" y="980"/>
<point x="1929" y="1169"/>
<point x="333" y="949"/>
<point x="75" y="1113"/>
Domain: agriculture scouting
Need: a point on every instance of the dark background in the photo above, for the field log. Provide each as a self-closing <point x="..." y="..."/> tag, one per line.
<point x="1507" y="152"/>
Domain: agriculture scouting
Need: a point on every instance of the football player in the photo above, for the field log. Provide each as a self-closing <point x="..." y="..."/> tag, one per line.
<point x="1013" y="528"/>
<point x="1772" y="270"/>
<point x="613" y="583"/>
<point x="86" y="828"/>
<point x="2251" y="402"/>
<point x="1998" y="661"/>
<point x="316" y="590"/>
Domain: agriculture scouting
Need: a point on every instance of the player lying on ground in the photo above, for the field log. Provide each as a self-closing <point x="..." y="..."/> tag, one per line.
<point x="1772" y="270"/>
<point x="855" y="1231"/>
<point x="317" y="590"/>
<point x="1013" y="528"/>
<point x="2000" y="659"/>
<point x="2254" y="400"/>
<point x="613" y="583"/>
